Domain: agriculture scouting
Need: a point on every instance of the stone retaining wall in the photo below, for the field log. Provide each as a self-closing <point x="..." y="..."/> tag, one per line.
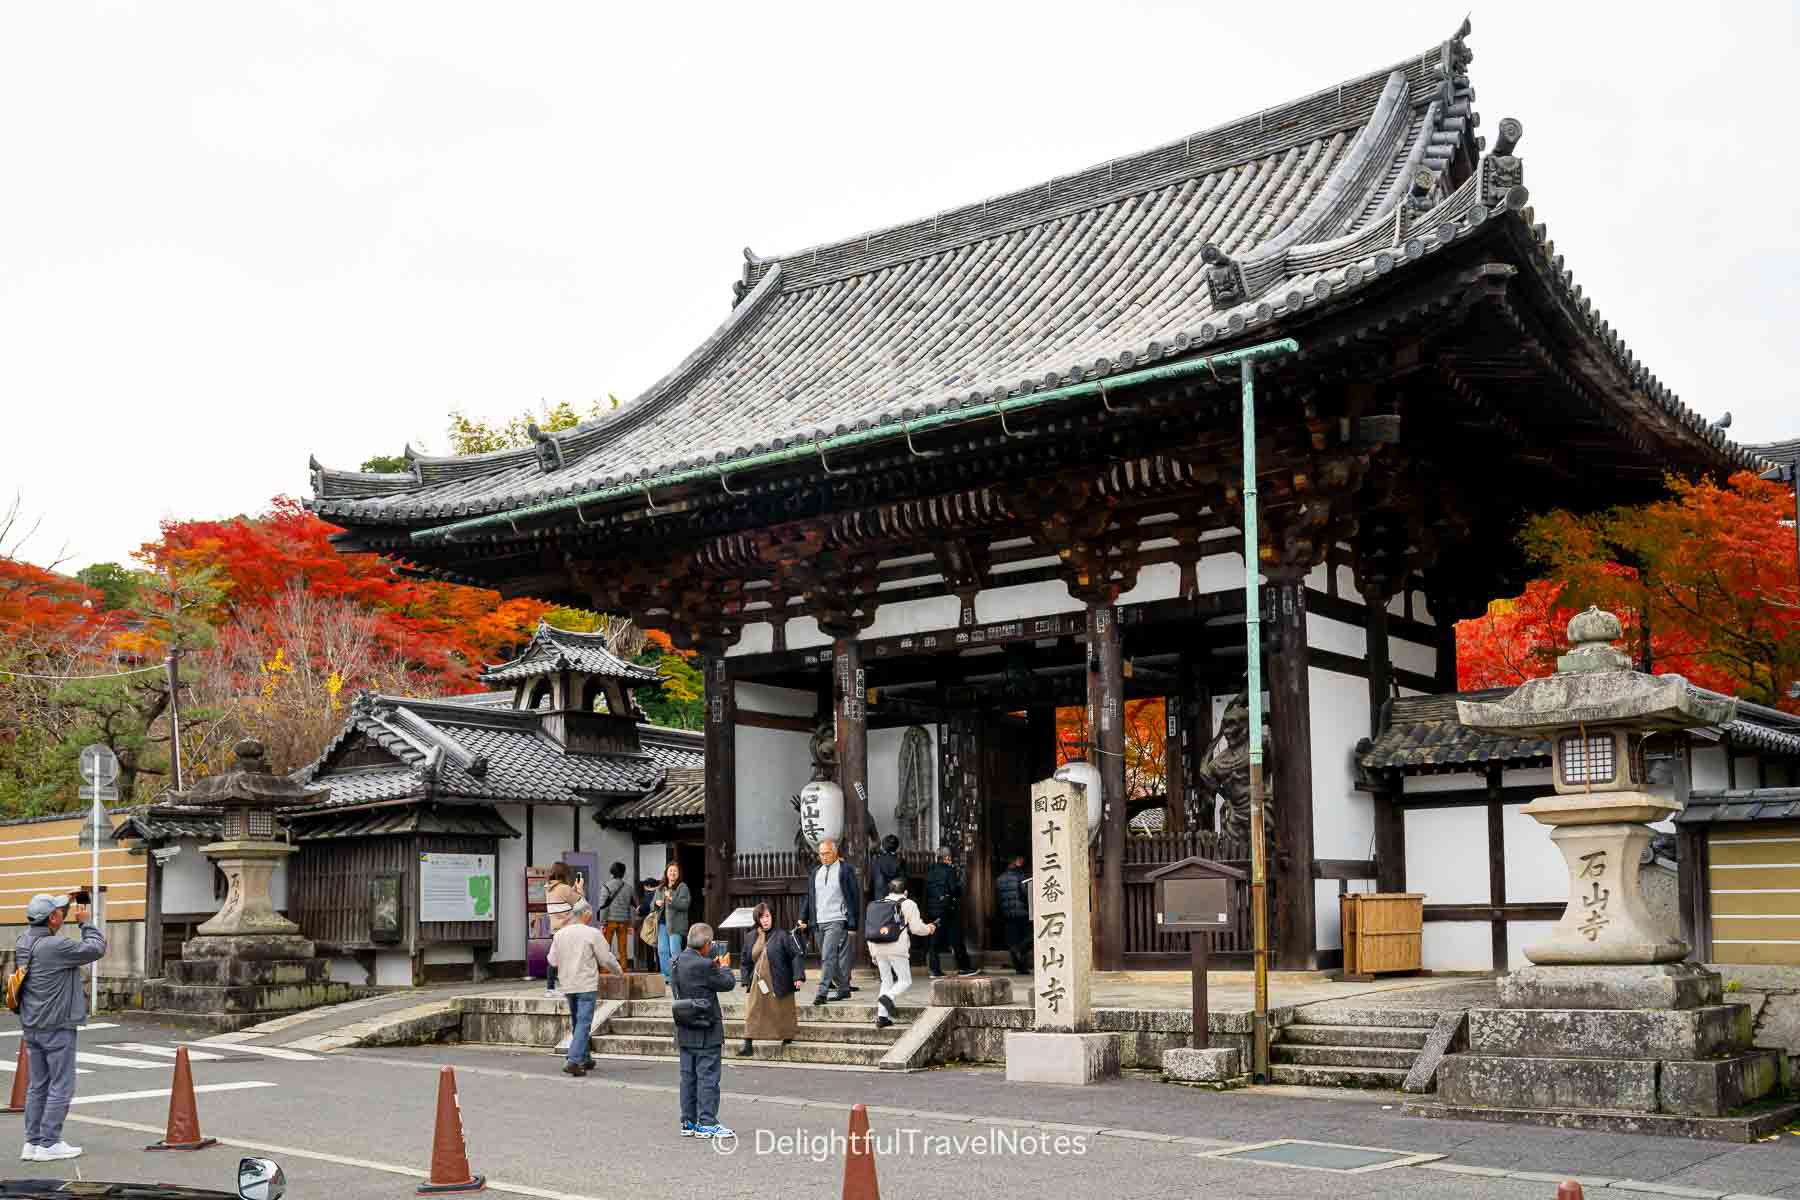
<point x="1773" y="996"/>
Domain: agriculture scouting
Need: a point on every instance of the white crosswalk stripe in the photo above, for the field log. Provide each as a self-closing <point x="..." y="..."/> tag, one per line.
<point x="82" y="1028"/>
<point x="168" y="1052"/>
<point x="113" y="1060"/>
<point x="6" y="1066"/>
<point x="267" y="1051"/>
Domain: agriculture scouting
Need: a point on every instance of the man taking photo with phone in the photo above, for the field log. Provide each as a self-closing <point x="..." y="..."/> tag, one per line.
<point x="51" y="1005"/>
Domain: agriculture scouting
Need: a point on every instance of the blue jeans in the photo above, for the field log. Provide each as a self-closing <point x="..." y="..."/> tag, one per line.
<point x="668" y="948"/>
<point x="581" y="1023"/>
<point x="700" y="1085"/>
<point x="834" y="957"/>
<point x="51" y="1054"/>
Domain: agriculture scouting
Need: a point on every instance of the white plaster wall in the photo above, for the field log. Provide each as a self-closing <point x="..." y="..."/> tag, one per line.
<point x="187" y="881"/>
<point x="393" y="968"/>
<point x="1158" y="581"/>
<point x="1025" y="600"/>
<point x="1458" y="946"/>
<point x="1709" y="766"/>
<point x="772" y="765"/>
<point x="1328" y="633"/>
<point x="1421" y="612"/>
<point x="1520" y="934"/>
<point x="448" y="954"/>
<point x="278" y="884"/>
<point x="1446" y="854"/>
<point x="1219" y="573"/>
<point x="1529" y="777"/>
<point x="652" y="858"/>
<point x="1346" y="582"/>
<point x="758" y="638"/>
<point x="509" y="888"/>
<point x="348" y="970"/>
<point x="552" y="833"/>
<point x="785" y="702"/>
<point x="1534" y="866"/>
<point x="1319" y="578"/>
<point x="1455" y="781"/>
<point x="607" y="845"/>
<point x="917" y="616"/>
<point x="1410" y="656"/>
<point x="884" y="775"/>
<point x="803" y="633"/>
<point x="1746" y="770"/>
<point x="1343" y="817"/>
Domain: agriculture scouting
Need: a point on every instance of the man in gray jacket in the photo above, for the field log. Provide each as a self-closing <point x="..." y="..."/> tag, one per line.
<point x="51" y="1006"/>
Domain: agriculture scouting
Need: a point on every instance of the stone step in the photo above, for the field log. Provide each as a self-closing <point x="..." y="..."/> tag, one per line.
<point x="841" y="1012"/>
<point x="832" y="1053"/>
<point x="275" y="999"/>
<point x="1354" y="1035"/>
<point x="1396" y="1058"/>
<point x="238" y="972"/>
<point x="1344" y="1014"/>
<point x="836" y="1032"/>
<point x="1358" y="1077"/>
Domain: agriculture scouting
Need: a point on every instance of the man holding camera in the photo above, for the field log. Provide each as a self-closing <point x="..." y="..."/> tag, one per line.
<point x="52" y="1005"/>
<point x="697" y="976"/>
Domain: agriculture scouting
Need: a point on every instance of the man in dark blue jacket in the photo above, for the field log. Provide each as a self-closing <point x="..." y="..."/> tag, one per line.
<point x="696" y="975"/>
<point x="943" y="907"/>
<point x="1015" y="910"/>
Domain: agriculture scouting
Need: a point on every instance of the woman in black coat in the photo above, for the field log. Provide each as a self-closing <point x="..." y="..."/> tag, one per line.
<point x="772" y="970"/>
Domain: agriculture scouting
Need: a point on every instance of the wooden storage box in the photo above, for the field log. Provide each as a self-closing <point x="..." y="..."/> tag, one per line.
<point x="1382" y="932"/>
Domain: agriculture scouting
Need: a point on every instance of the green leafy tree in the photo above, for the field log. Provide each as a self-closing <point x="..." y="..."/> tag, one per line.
<point x="386" y="464"/>
<point x="471" y="436"/>
<point x="118" y="586"/>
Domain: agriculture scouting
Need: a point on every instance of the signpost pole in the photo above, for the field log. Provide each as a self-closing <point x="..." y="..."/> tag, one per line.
<point x="1259" y="855"/>
<point x="1197" y="946"/>
<point x="94" y="898"/>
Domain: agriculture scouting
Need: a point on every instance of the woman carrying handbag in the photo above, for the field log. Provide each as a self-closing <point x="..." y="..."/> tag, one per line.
<point x="671" y="905"/>
<point x="772" y="972"/>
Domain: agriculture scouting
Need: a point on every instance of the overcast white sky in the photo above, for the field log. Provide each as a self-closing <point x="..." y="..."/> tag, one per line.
<point x="236" y="233"/>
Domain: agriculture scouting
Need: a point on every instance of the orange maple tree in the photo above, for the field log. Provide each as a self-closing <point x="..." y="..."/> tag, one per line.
<point x="1702" y="580"/>
<point x="1146" y="737"/>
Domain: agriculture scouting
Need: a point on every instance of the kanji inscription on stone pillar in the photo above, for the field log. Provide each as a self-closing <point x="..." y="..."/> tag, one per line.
<point x="1063" y="949"/>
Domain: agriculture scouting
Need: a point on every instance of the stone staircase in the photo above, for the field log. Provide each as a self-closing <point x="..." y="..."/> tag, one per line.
<point x="839" y="1034"/>
<point x="1334" y="1046"/>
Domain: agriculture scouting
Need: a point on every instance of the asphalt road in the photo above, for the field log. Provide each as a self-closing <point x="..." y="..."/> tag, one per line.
<point x="359" y="1123"/>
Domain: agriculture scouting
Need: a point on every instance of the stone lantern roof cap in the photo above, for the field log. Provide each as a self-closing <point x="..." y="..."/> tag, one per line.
<point x="249" y="783"/>
<point x="1594" y="684"/>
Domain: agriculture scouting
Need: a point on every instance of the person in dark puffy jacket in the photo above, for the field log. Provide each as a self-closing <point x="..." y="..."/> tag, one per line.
<point x="943" y="908"/>
<point x="884" y="867"/>
<point x="1015" y="910"/>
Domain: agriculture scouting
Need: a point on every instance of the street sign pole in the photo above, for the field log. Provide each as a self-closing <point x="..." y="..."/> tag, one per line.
<point x="99" y="767"/>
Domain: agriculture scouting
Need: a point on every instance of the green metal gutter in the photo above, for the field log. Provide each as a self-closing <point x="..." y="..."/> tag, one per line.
<point x="862" y="437"/>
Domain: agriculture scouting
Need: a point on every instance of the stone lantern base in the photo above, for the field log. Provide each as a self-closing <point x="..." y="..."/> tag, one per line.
<point x="1643" y="1048"/>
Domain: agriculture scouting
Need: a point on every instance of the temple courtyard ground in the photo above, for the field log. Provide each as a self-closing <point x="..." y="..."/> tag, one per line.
<point x="356" y="1123"/>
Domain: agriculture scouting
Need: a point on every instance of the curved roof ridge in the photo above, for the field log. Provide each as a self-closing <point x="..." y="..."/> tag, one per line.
<point x="1199" y="154"/>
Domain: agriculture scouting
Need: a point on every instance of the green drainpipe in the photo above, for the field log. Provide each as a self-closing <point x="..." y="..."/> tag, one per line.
<point x="1244" y="358"/>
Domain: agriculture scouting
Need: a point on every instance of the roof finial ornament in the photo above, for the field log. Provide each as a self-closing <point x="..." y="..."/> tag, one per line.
<point x="1511" y="130"/>
<point x="1593" y="632"/>
<point x="549" y="450"/>
<point x="1224" y="278"/>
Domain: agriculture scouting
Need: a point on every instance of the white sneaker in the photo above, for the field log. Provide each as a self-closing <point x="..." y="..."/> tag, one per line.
<point x="29" y="1153"/>
<point x="60" y="1150"/>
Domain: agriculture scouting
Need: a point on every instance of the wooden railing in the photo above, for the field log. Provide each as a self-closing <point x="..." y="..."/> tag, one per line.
<point x="758" y="865"/>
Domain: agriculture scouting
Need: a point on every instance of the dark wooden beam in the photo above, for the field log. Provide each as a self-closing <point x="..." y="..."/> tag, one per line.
<point x="721" y="786"/>
<point x="1390" y="842"/>
<point x="1381" y="667"/>
<point x="1464" y="797"/>
<point x="1496" y="838"/>
<point x="1295" y="934"/>
<point x="1344" y="868"/>
<point x="1547" y="911"/>
<point x="1349" y="664"/>
<point x="1106" y="732"/>
<point x="764" y="720"/>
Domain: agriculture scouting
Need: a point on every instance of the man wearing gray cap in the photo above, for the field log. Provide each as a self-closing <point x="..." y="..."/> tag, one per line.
<point x="51" y="1006"/>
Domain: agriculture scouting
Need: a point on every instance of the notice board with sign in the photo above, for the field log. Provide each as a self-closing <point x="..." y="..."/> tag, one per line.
<point x="456" y="887"/>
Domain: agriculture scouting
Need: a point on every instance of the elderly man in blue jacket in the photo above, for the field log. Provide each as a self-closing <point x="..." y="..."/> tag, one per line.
<point x="833" y="907"/>
<point x="51" y="1007"/>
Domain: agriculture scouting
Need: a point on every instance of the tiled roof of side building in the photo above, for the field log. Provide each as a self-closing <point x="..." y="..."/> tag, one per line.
<point x="1213" y="239"/>
<point x="552" y="650"/>
<point x="1714" y="806"/>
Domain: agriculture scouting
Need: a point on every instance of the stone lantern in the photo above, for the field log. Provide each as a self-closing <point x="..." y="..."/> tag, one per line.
<point x="249" y="845"/>
<point x="1597" y="712"/>
<point x="1608" y="1028"/>
<point x="248" y="963"/>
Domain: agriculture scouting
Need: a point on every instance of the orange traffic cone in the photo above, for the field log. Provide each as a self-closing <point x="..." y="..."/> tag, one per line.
<point x="1568" y="1189"/>
<point x="859" y="1160"/>
<point x="21" y="1081"/>
<point x="183" y="1132"/>
<point x="449" y="1152"/>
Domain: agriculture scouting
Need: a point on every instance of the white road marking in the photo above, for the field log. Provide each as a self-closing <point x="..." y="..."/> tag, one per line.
<point x="163" y="1051"/>
<point x="280" y="1152"/>
<point x="268" y="1051"/>
<point x="82" y="1028"/>
<point x="108" y="1060"/>
<point x="6" y="1066"/>
<point x="153" y="1093"/>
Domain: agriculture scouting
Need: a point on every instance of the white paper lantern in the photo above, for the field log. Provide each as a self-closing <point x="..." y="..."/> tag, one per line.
<point x="1087" y="775"/>
<point x="821" y="812"/>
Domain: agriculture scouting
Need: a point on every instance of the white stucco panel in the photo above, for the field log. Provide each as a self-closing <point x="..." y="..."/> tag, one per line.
<point x="1447" y="853"/>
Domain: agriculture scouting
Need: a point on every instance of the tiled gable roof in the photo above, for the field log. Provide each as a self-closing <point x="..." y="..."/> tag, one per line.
<point x="680" y="799"/>
<point x="553" y="650"/>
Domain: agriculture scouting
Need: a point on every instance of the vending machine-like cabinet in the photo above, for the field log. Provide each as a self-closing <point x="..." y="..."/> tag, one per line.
<point x="537" y="923"/>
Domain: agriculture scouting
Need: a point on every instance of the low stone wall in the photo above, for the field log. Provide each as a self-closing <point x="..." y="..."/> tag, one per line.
<point x="979" y="1034"/>
<point x="1773" y="996"/>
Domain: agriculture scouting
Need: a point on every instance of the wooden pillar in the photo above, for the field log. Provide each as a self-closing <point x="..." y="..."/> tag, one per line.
<point x="1390" y="839"/>
<point x="1294" y="932"/>
<point x="721" y="785"/>
<point x="1381" y="669"/>
<point x="851" y="695"/>
<point x="153" y="914"/>
<point x="1040" y="735"/>
<point x="1496" y="833"/>
<point x="1188" y="727"/>
<point x="1106" y="738"/>
<point x="1444" y="613"/>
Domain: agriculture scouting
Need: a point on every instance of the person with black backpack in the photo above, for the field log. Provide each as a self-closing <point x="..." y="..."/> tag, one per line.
<point x="943" y="904"/>
<point x="888" y="926"/>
